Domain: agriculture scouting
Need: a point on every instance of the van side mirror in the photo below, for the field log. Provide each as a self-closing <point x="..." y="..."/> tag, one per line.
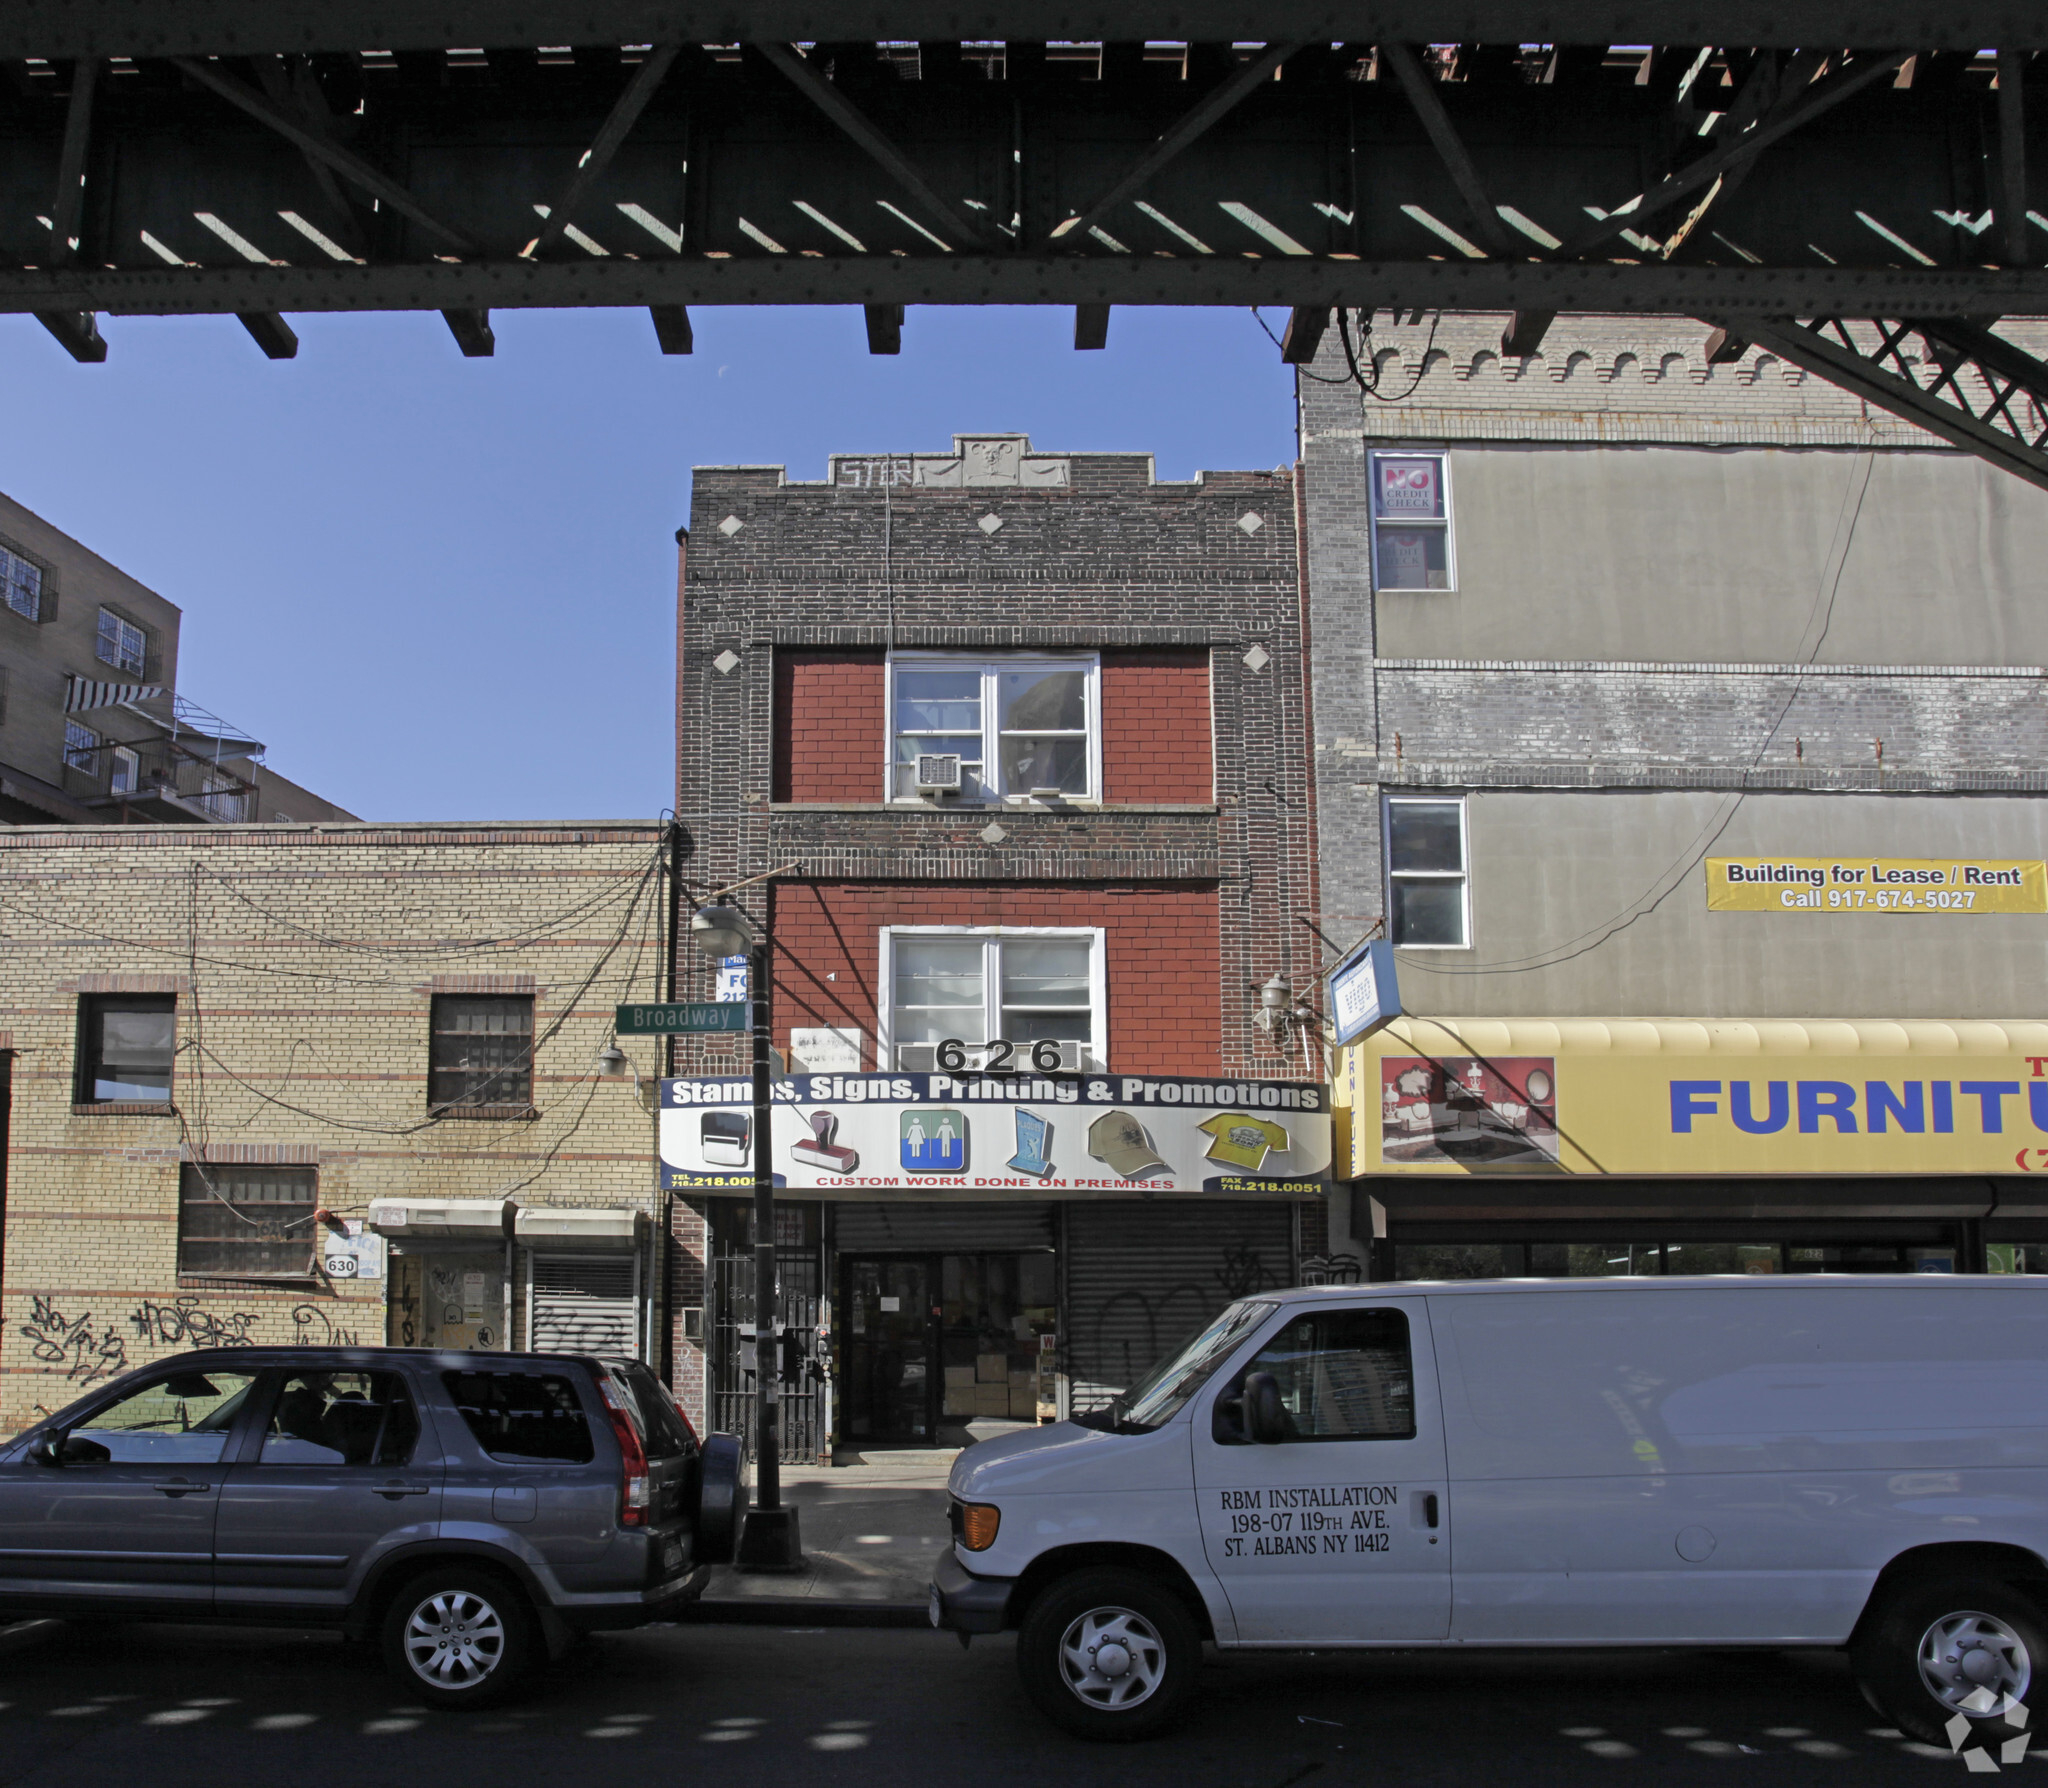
<point x="1265" y="1416"/>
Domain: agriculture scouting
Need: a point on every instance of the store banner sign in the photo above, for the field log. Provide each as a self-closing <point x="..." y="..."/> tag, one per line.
<point x="1098" y="1135"/>
<point x="1407" y="1110"/>
<point x="1876" y="885"/>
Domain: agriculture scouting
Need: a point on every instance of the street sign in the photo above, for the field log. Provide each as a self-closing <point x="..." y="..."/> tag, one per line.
<point x="684" y="1015"/>
<point x="1365" y="993"/>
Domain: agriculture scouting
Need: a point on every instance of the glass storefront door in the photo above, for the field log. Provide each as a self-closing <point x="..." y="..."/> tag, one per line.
<point x="933" y="1342"/>
<point x="886" y="1380"/>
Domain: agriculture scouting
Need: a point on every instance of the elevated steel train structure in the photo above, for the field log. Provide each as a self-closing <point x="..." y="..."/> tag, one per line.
<point x="1860" y="187"/>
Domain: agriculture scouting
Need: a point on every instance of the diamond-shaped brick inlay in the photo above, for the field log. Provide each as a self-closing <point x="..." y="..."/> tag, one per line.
<point x="731" y="526"/>
<point x="989" y="523"/>
<point x="725" y="661"/>
<point x="993" y="833"/>
<point x="1258" y="658"/>
<point x="1251" y="523"/>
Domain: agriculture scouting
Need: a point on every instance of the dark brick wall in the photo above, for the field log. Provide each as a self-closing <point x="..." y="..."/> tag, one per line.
<point x="829" y="718"/>
<point x="1155" y="725"/>
<point x="1171" y="581"/>
<point x="1160" y="950"/>
<point x="1201" y="855"/>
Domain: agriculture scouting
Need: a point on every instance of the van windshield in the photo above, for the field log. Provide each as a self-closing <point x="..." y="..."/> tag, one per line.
<point x="1164" y="1391"/>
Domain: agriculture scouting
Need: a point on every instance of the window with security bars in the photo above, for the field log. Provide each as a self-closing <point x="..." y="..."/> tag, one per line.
<point x="81" y="748"/>
<point x="122" y="644"/>
<point x="986" y="989"/>
<point x="482" y="1052"/>
<point x="21" y="582"/>
<point x="246" y="1222"/>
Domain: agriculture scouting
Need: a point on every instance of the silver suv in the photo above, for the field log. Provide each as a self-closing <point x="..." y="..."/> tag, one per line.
<point x="468" y="1512"/>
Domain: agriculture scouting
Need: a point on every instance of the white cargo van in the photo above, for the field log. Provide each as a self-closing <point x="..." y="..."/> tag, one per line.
<point x="1853" y="1462"/>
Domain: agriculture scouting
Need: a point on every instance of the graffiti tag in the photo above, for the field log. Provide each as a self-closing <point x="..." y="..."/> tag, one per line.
<point x="69" y="1344"/>
<point x="186" y="1324"/>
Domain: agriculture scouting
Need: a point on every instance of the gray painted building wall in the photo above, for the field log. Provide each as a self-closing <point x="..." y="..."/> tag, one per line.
<point x="1687" y="595"/>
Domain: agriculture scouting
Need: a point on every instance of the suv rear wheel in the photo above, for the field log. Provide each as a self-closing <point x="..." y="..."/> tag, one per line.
<point x="458" y="1637"/>
<point x="1109" y="1654"/>
<point x="1973" y="1649"/>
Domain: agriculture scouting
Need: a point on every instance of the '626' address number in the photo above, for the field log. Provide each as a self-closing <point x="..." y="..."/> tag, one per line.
<point x="1043" y="1057"/>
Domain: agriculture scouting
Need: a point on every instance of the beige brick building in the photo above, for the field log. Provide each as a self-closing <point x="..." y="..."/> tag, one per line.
<point x="276" y="1083"/>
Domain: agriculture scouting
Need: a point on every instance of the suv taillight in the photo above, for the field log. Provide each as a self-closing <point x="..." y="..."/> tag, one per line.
<point x="633" y="1496"/>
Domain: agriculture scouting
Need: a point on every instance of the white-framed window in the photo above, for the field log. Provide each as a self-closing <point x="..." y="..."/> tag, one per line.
<point x="127" y="772"/>
<point x="122" y="644"/>
<point x="81" y="748"/>
<point x="985" y="984"/>
<point x="1411" y="522"/>
<point x="1022" y="726"/>
<point x="1429" y="892"/>
<point x="22" y="584"/>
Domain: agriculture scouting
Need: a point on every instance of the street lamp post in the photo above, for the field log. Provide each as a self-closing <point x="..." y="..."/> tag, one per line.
<point x="769" y="1539"/>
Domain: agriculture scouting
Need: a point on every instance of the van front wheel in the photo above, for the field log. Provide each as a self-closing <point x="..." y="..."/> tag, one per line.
<point x="1109" y="1654"/>
<point x="1970" y="1648"/>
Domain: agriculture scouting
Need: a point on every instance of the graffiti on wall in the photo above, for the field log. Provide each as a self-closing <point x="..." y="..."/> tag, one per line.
<point x="313" y="1327"/>
<point x="69" y="1345"/>
<point x="186" y="1324"/>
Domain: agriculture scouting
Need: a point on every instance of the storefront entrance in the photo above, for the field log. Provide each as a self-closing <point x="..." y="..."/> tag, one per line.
<point x="936" y="1342"/>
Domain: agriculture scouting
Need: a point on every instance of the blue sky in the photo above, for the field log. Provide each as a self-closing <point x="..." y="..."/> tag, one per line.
<point x="444" y="589"/>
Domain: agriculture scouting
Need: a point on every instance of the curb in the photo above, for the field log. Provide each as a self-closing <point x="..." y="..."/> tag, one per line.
<point x="803" y="1611"/>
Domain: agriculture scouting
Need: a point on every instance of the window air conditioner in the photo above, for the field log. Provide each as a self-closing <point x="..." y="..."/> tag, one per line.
<point x="938" y="773"/>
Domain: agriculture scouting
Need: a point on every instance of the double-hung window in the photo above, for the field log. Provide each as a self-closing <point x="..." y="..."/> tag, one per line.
<point x="21" y="581"/>
<point x="1429" y="893"/>
<point x="1411" y="522"/>
<point x="81" y="748"/>
<point x="987" y="988"/>
<point x="1018" y="727"/>
<point x="126" y="1042"/>
<point x="122" y="644"/>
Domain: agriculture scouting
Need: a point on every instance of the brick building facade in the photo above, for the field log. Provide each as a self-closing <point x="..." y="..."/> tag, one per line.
<point x="275" y="1083"/>
<point x="1114" y="668"/>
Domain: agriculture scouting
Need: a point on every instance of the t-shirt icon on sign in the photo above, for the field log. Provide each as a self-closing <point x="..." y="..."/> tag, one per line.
<point x="1243" y="1141"/>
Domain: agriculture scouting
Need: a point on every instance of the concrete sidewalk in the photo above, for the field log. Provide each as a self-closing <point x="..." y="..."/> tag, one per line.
<point x="872" y="1530"/>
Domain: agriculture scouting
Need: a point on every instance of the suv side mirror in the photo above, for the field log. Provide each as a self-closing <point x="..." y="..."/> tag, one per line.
<point x="45" y="1451"/>
<point x="1265" y="1416"/>
<point x="68" y="1449"/>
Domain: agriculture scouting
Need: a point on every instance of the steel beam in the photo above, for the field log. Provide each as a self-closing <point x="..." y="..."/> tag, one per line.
<point x="1177" y="137"/>
<point x="271" y="333"/>
<point x="1091" y="325"/>
<point x="1059" y="279"/>
<point x="672" y="328"/>
<point x="472" y="332"/>
<point x="885" y="328"/>
<point x="69" y="199"/>
<point x="1857" y="369"/>
<point x="67" y="28"/>
<point x="826" y="96"/>
<point x="639" y="90"/>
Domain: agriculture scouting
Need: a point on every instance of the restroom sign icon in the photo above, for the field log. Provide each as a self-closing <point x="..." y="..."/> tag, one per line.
<point x="933" y="1140"/>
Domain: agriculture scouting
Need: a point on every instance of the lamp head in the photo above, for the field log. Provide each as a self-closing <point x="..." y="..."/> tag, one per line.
<point x="1277" y="994"/>
<point x="721" y="930"/>
<point x="612" y="1062"/>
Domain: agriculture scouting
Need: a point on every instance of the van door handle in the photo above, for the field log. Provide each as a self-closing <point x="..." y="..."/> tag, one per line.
<point x="181" y="1487"/>
<point x="1429" y="1508"/>
<point x="392" y="1492"/>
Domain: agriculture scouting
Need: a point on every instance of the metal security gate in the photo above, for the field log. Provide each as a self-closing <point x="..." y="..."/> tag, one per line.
<point x="804" y="1380"/>
<point x="1142" y="1276"/>
<point x="583" y="1303"/>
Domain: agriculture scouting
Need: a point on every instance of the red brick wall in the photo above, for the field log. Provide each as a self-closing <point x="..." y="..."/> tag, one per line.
<point x="1163" y="950"/>
<point x="830" y="717"/>
<point x="1155" y="725"/>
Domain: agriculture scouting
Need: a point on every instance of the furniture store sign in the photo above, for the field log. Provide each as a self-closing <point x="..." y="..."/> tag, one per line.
<point x="1876" y="885"/>
<point x="1461" y="1097"/>
<point x="1115" y="1135"/>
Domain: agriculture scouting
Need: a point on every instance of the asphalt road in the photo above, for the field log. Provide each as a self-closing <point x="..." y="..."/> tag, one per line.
<point x="757" y="1707"/>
